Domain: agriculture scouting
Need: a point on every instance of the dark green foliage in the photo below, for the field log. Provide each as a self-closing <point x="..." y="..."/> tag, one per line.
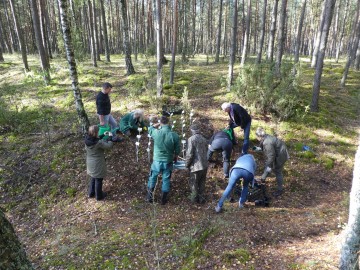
<point x="259" y="87"/>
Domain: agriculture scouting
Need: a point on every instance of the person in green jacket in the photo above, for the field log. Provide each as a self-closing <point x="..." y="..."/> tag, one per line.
<point x="131" y="122"/>
<point x="166" y="150"/>
<point x="95" y="160"/>
<point x="276" y="155"/>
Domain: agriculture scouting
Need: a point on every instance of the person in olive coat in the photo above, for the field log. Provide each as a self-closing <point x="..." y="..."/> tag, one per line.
<point x="276" y="155"/>
<point x="131" y="122"/>
<point x="197" y="163"/>
<point x="95" y="160"/>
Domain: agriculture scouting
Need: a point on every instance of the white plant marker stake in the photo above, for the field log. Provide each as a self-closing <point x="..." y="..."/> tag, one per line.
<point x="148" y="148"/>
<point x="183" y="146"/>
<point x="138" y="143"/>
<point x="191" y="115"/>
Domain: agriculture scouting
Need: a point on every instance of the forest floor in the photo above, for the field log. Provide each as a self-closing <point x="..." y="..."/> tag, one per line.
<point x="43" y="183"/>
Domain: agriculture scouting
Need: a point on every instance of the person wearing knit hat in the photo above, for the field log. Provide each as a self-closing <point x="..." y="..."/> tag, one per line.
<point x="196" y="161"/>
<point x="221" y="141"/>
<point x="238" y="117"/>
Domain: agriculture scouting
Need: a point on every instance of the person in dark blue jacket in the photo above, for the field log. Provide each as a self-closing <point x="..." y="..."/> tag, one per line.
<point x="244" y="168"/>
<point x="238" y="117"/>
<point x="222" y="141"/>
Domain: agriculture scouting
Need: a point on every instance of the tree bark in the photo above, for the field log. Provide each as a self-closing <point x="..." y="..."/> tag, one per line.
<point x="318" y="36"/>
<point x="175" y="32"/>
<point x="270" y="53"/>
<point x="12" y="255"/>
<point x="185" y="31"/>
<point x="96" y="33"/>
<point x="340" y="43"/>
<point x="352" y="50"/>
<point x="218" y="36"/>
<point x="159" y="50"/>
<point x="299" y="31"/>
<point x="233" y="46"/>
<point x="106" y="39"/>
<point x="91" y="33"/>
<point x="39" y="42"/>
<point x="66" y="29"/>
<point x="10" y="28"/>
<point x="328" y="14"/>
<point x="262" y="34"/>
<point x="126" y="42"/>
<point x="349" y="258"/>
<point x="281" y="37"/>
<point x="20" y="36"/>
<point x="247" y="34"/>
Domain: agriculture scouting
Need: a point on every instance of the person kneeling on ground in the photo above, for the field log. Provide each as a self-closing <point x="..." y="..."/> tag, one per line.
<point x="131" y="122"/>
<point x="222" y="141"/>
<point x="166" y="150"/>
<point x="197" y="163"/>
<point x="276" y="155"/>
<point x="244" y="168"/>
<point x="95" y="160"/>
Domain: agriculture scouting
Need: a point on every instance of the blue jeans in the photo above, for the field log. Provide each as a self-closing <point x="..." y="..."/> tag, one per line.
<point x="109" y="119"/>
<point x="236" y="175"/>
<point x="246" y="136"/>
<point x="158" y="167"/>
<point x="226" y="147"/>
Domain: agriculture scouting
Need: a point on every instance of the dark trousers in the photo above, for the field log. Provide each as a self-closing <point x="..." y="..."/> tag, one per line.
<point x="95" y="188"/>
<point x="197" y="186"/>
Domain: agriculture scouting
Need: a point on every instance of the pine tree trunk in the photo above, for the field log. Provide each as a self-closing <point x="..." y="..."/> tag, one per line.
<point x="349" y="257"/>
<point x="106" y="39"/>
<point x="328" y="13"/>
<point x="39" y="42"/>
<point x="299" y="31"/>
<point x="12" y="255"/>
<point x="20" y="36"/>
<point x="233" y="46"/>
<point x="318" y="37"/>
<point x="83" y="118"/>
<point x="159" y="49"/>
<point x="3" y="38"/>
<point x="247" y="34"/>
<point x="262" y="34"/>
<point x="218" y="36"/>
<point x="91" y="33"/>
<point x="96" y="36"/>
<point x="1" y="54"/>
<point x="353" y="49"/>
<point x="10" y="29"/>
<point x="127" y="48"/>
<point x="184" y="36"/>
<point x="270" y="52"/>
<point x="175" y="32"/>
<point x="357" y="58"/>
<point x="340" y="43"/>
<point x="281" y="37"/>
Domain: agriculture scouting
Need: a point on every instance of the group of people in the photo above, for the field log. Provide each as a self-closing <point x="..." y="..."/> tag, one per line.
<point x="199" y="152"/>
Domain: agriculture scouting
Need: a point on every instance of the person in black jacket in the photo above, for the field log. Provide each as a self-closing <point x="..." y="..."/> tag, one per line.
<point x="222" y="141"/>
<point x="103" y="108"/>
<point x="238" y="117"/>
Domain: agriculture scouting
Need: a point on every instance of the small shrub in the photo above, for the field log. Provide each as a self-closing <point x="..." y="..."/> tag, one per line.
<point x="258" y="86"/>
<point x="70" y="192"/>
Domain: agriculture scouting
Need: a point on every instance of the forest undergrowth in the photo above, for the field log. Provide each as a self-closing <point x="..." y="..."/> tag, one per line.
<point x="43" y="177"/>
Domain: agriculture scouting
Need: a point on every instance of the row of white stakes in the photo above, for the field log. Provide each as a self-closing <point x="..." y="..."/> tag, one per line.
<point x="183" y="141"/>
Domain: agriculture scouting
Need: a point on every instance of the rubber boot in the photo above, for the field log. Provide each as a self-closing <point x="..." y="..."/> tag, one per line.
<point x="150" y="195"/>
<point x="92" y="188"/>
<point x="99" y="194"/>
<point x="164" y="198"/>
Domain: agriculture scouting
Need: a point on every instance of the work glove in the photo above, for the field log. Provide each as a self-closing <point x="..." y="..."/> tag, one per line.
<point x="256" y="148"/>
<point x="108" y="133"/>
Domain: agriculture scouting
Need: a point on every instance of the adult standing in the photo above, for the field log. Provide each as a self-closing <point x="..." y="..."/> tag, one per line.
<point x="244" y="168"/>
<point x="95" y="161"/>
<point x="197" y="163"/>
<point x="238" y="117"/>
<point x="103" y="107"/>
<point x="222" y="141"/>
<point x="166" y="150"/>
<point x="276" y="155"/>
